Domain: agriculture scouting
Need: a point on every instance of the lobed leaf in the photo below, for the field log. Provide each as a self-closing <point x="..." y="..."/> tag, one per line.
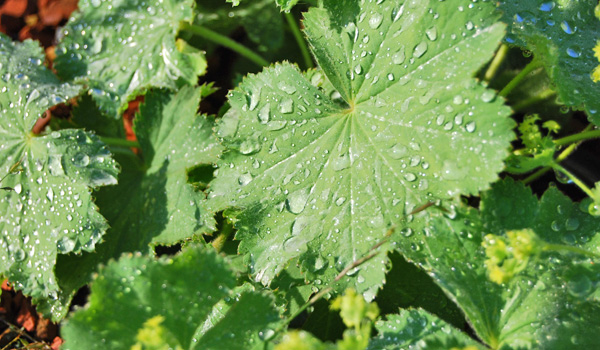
<point x="49" y="209"/>
<point x="119" y="48"/>
<point x="562" y="35"/>
<point x="135" y="296"/>
<point x="321" y="177"/>
<point x="416" y="328"/>
<point x="550" y="304"/>
<point x="154" y="203"/>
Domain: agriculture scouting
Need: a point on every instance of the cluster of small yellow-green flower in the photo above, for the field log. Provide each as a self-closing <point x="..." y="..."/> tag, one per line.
<point x="358" y="316"/>
<point x="506" y="257"/>
<point x="153" y="336"/>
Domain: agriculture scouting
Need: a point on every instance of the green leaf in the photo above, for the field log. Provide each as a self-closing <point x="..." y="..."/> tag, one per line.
<point x="154" y="204"/>
<point x="321" y="177"/>
<point x="49" y="210"/>
<point x="416" y="328"/>
<point x="119" y="48"/>
<point x="550" y="304"/>
<point x="562" y="35"/>
<point x="135" y="294"/>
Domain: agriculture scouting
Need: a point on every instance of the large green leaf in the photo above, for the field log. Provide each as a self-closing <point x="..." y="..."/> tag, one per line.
<point x="153" y="203"/>
<point x="417" y="329"/>
<point x="119" y="47"/>
<point x="548" y="305"/>
<point x="562" y="34"/>
<point x="321" y="177"/>
<point x="50" y="210"/>
<point x="174" y="300"/>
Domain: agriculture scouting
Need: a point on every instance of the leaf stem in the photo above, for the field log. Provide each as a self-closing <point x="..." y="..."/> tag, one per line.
<point x="575" y="180"/>
<point x="490" y="73"/>
<point x="530" y="67"/>
<point x="118" y="142"/>
<point x="562" y="156"/>
<point x="299" y="39"/>
<point x="219" y="242"/>
<point x="223" y="41"/>
<point x="571" y="249"/>
<point x="582" y="136"/>
<point x="533" y="100"/>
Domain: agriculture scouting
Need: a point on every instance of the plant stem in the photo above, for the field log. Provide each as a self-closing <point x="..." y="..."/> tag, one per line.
<point x="533" y="65"/>
<point x="223" y="41"/>
<point x="575" y="180"/>
<point x="490" y="73"/>
<point x="219" y="242"/>
<point x="118" y="142"/>
<point x="299" y="39"/>
<point x="576" y="250"/>
<point x="582" y="136"/>
<point x="533" y="100"/>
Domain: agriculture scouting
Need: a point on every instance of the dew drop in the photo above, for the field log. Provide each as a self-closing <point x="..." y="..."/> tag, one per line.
<point x="399" y="57"/>
<point x="469" y="25"/>
<point x="375" y="20"/>
<point x="390" y="77"/>
<point x="573" y="52"/>
<point x="358" y="69"/>
<point x="547" y="6"/>
<point x="398" y="151"/>
<point x="50" y="195"/>
<point x="431" y="33"/>
<point x="410" y="177"/>
<point x="572" y="224"/>
<point x="296" y="201"/>
<point x="81" y="160"/>
<point x="244" y="179"/>
<point x="340" y="201"/>
<point x="488" y="96"/>
<point x="470" y="127"/>
<point x="250" y="146"/>
<point x="567" y="28"/>
<point x="420" y="49"/>
<point x="65" y="245"/>
<point x="18" y="188"/>
<point x="288" y="89"/>
<point x="264" y="114"/>
<point x="286" y="106"/>
<point x="341" y="162"/>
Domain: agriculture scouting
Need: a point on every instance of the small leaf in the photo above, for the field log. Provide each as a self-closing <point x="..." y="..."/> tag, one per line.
<point x="135" y="294"/>
<point x="50" y="209"/>
<point x="119" y="48"/>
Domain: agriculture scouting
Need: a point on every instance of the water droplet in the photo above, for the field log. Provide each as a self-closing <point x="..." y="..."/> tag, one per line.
<point x="469" y="25"/>
<point x="244" y="179"/>
<point x="96" y="3"/>
<point x="296" y="201"/>
<point x="286" y="106"/>
<point x="547" y="6"/>
<point x="431" y="33"/>
<point x="399" y="57"/>
<point x="81" y="160"/>
<point x="567" y="28"/>
<point x="420" y="49"/>
<point x="19" y="254"/>
<point x="319" y="263"/>
<point x="579" y="285"/>
<point x="50" y="194"/>
<point x="410" y="177"/>
<point x="341" y="162"/>
<point x="572" y="224"/>
<point x="406" y="232"/>
<point x="488" y="96"/>
<point x="573" y="52"/>
<point x="250" y="146"/>
<point x="299" y="224"/>
<point x="55" y="165"/>
<point x="340" y="201"/>
<point x="375" y="20"/>
<point x="398" y="151"/>
<point x="18" y="188"/>
<point x="555" y="226"/>
<point x="390" y="77"/>
<point x="264" y="114"/>
<point x="288" y="89"/>
<point x="254" y="99"/>
<point x="65" y="245"/>
<point x="470" y="127"/>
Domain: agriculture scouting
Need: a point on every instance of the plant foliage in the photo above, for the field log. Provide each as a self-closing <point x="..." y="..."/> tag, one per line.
<point x="238" y="230"/>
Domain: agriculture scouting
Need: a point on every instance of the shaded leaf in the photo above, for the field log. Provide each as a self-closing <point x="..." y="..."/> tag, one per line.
<point x="562" y="36"/>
